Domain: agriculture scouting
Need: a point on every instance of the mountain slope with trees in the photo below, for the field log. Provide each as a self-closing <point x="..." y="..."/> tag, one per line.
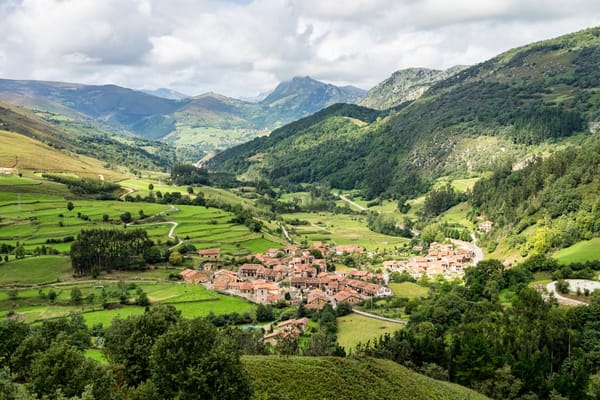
<point x="540" y="93"/>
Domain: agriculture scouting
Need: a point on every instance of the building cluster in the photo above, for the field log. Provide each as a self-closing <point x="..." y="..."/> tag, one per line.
<point x="441" y="260"/>
<point x="292" y="275"/>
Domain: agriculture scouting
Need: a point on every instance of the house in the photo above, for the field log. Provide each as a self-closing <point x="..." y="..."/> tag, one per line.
<point x="210" y="253"/>
<point x="485" y="226"/>
<point x="347" y="296"/>
<point x="193" y="276"/>
<point x="316" y="299"/>
<point x="349" y="249"/>
<point x="250" y="270"/>
<point x="272" y="253"/>
<point x="266" y="293"/>
<point x="290" y="329"/>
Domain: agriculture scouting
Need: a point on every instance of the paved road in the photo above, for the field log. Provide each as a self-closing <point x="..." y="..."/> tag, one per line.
<point x="574" y="284"/>
<point x="347" y="200"/>
<point x="374" y="316"/>
<point x="471" y="247"/>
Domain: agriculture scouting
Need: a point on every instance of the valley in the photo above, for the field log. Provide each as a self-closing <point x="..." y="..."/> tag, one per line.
<point x="445" y="227"/>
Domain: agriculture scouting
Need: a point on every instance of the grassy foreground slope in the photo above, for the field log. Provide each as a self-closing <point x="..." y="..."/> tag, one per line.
<point x="344" y="378"/>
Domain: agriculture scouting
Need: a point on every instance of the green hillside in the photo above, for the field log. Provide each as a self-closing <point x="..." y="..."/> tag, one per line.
<point x="537" y="94"/>
<point x="331" y="378"/>
<point x="64" y="136"/>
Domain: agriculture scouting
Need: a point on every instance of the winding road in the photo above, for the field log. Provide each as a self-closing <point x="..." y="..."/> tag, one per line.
<point x="174" y="224"/>
<point x="574" y="284"/>
<point x="478" y="251"/>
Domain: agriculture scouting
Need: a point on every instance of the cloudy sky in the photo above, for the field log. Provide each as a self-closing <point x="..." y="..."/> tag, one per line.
<point x="244" y="47"/>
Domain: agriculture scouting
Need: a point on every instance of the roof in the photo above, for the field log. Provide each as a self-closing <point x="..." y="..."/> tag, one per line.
<point x="209" y="252"/>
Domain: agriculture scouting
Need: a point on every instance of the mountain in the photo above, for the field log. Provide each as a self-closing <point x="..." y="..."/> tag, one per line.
<point x="195" y="125"/>
<point x="275" y="377"/>
<point x="167" y="94"/>
<point x="302" y="96"/>
<point x="535" y="94"/>
<point x="405" y="85"/>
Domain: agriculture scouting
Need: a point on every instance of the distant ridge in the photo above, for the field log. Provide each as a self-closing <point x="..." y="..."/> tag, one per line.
<point x="405" y="85"/>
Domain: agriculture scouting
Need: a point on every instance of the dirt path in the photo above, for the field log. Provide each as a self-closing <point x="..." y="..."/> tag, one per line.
<point x="101" y="177"/>
<point x="174" y="224"/>
<point x="285" y="233"/>
<point x="129" y="191"/>
<point x="353" y="203"/>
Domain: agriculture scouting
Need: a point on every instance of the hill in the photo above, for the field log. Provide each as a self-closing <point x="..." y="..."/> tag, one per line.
<point x="69" y="135"/>
<point x="405" y="85"/>
<point x="198" y="124"/>
<point x="536" y="94"/>
<point x="331" y="378"/>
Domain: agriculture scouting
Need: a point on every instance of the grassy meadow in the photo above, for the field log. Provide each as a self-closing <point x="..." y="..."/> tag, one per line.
<point x="354" y="329"/>
<point x="409" y="290"/>
<point x="583" y="251"/>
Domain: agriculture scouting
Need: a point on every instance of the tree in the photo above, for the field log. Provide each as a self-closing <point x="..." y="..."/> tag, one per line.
<point x="105" y="217"/>
<point x="190" y="189"/>
<point x="129" y="341"/>
<point x="175" y="258"/>
<point x="20" y="252"/>
<point x="76" y="296"/>
<point x="70" y="206"/>
<point x="63" y="367"/>
<point x="562" y="286"/>
<point x="126" y="217"/>
<point x="150" y="186"/>
<point x="193" y="360"/>
<point x="264" y="313"/>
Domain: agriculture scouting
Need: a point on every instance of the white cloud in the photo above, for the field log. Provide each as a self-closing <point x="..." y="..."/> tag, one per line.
<point x="242" y="47"/>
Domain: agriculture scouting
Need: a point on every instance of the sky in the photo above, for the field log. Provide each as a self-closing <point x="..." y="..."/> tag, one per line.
<point x="241" y="48"/>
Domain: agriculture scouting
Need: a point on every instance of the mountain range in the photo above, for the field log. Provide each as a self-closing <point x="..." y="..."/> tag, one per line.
<point x="202" y="123"/>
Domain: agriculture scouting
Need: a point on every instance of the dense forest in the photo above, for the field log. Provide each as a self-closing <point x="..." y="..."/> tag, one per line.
<point x="97" y="250"/>
<point x="562" y="190"/>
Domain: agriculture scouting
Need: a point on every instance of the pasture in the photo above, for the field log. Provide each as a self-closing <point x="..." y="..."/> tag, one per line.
<point x="341" y="229"/>
<point x="409" y="290"/>
<point x="35" y="305"/>
<point x="354" y="329"/>
<point x="587" y="250"/>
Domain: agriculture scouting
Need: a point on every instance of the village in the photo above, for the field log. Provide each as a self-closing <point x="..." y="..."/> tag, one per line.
<point x="293" y="276"/>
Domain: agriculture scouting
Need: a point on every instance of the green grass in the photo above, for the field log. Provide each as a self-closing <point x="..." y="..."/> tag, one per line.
<point x="409" y="289"/>
<point x="354" y="329"/>
<point x="587" y="250"/>
<point x="15" y="181"/>
<point x="331" y="378"/>
<point x="35" y="270"/>
<point x="341" y="229"/>
<point x="96" y="354"/>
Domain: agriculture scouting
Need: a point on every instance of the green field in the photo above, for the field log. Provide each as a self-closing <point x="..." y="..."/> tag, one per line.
<point x="408" y="289"/>
<point x="354" y="329"/>
<point x="587" y="250"/>
<point x="96" y="354"/>
<point x="32" y="305"/>
<point x="341" y="229"/>
<point x="35" y="270"/>
<point x="333" y="378"/>
<point x="15" y="181"/>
